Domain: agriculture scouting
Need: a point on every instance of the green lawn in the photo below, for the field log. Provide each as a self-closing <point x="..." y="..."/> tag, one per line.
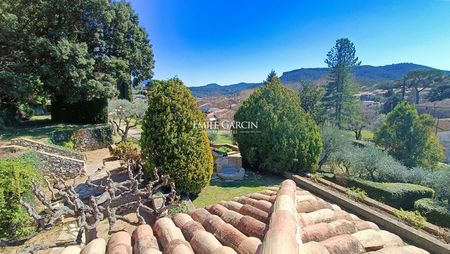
<point x="38" y="128"/>
<point x="220" y="137"/>
<point x="219" y="190"/>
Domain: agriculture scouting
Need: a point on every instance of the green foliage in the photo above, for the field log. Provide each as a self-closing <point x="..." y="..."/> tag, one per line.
<point x="367" y="161"/>
<point x="413" y="218"/>
<point x="408" y="137"/>
<point x="173" y="139"/>
<point x="286" y="138"/>
<point x="85" y="112"/>
<point x="399" y="195"/>
<point x="181" y="207"/>
<point x="335" y="143"/>
<point x="391" y="101"/>
<point x="339" y="96"/>
<point x="25" y="112"/>
<point x="17" y="174"/>
<point x="356" y="194"/>
<point x="71" y="51"/>
<point x="435" y="211"/>
<point x="441" y="91"/>
<point x="420" y="80"/>
<point x="311" y="97"/>
<point x="315" y="177"/>
<point x="125" y="115"/>
<point x="223" y="149"/>
<point x="125" y="151"/>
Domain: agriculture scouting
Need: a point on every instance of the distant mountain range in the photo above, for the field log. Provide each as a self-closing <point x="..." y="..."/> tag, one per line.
<point x="365" y="75"/>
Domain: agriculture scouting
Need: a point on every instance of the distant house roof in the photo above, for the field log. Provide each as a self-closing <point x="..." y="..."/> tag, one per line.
<point x="286" y="220"/>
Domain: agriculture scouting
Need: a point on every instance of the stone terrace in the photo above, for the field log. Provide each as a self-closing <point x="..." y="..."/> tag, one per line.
<point x="288" y="220"/>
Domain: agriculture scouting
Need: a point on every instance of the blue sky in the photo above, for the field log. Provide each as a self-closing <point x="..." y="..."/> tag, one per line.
<point x="231" y="41"/>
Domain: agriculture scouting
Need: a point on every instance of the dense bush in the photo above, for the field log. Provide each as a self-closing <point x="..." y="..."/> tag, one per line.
<point x="286" y="138"/>
<point x="369" y="162"/>
<point x="408" y="137"/>
<point x="413" y="218"/>
<point x="15" y="182"/>
<point x="399" y="195"/>
<point x="436" y="212"/>
<point x="83" y="112"/>
<point x="173" y="138"/>
<point x="126" y="151"/>
<point x="335" y="143"/>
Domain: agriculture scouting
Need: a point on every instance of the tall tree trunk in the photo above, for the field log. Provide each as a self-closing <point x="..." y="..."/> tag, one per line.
<point x="417" y="95"/>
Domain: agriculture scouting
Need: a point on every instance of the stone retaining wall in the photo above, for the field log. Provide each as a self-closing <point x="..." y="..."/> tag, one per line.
<point x="62" y="166"/>
<point x="51" y="149"/>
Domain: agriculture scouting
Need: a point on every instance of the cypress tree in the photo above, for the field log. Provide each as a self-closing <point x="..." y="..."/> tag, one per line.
<point x="173" y="138"/>
<point x="286" y="138"/>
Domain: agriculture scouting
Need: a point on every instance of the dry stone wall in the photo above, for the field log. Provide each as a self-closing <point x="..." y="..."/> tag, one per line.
<point x="64" y="163"/>
<point x="64" y="167"/>
<point x="42" y="147"/>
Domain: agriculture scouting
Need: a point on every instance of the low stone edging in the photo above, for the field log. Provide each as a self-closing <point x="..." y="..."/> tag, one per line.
<point x="409" y="233"/>
<point x="42" y="147"/>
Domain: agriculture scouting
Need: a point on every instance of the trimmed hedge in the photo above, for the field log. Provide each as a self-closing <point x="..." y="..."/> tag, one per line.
<point x="436" y="212"/>
<point x="398" y="195"/>
<point x="84" y="112"/>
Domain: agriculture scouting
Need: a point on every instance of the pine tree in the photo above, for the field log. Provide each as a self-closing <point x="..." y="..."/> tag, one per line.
<point x="173" y="138"/>
<point x="340" y="92"/>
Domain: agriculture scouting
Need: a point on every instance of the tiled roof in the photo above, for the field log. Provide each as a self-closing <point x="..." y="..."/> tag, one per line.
<point x="288" y="220"/>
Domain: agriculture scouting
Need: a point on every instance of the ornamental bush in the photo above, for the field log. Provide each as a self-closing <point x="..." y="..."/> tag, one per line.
<point x="172" y="138"/>
<point x="399" y="195"/>
<point x="286" y="138"/>
<point x="435" y="211"/>
<point x="15" y="182"/>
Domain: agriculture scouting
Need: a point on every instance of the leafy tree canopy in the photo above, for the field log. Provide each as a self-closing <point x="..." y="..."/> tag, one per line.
<point x="419" y="80"/>
<point x="70" y="50"/>
<point x="125" y="115"/>
<point x="408" y="137"/>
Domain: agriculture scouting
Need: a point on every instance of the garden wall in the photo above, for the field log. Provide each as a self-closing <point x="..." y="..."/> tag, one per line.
<point x="42" y="147"/>
<point x="86" y="139"/>
<point x="50" y="163"/>
<point x="65" y="167"/>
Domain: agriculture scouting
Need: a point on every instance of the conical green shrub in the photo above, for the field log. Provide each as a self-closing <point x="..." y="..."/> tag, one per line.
<point x="286" y="138"/>
<point x="172" y="137"/>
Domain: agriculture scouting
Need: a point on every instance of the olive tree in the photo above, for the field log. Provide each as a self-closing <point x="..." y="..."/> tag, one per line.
<point x="125" y="115"/>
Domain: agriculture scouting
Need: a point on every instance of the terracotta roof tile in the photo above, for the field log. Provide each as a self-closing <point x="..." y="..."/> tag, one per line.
<point x="285" y="220"/>
<point x="96" y="246"/>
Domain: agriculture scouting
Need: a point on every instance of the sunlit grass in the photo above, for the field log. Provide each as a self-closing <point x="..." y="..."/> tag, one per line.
<point x="219" y="190"/>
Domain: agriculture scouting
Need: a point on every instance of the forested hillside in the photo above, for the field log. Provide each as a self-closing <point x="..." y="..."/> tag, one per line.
<point x="365" y="75"/>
